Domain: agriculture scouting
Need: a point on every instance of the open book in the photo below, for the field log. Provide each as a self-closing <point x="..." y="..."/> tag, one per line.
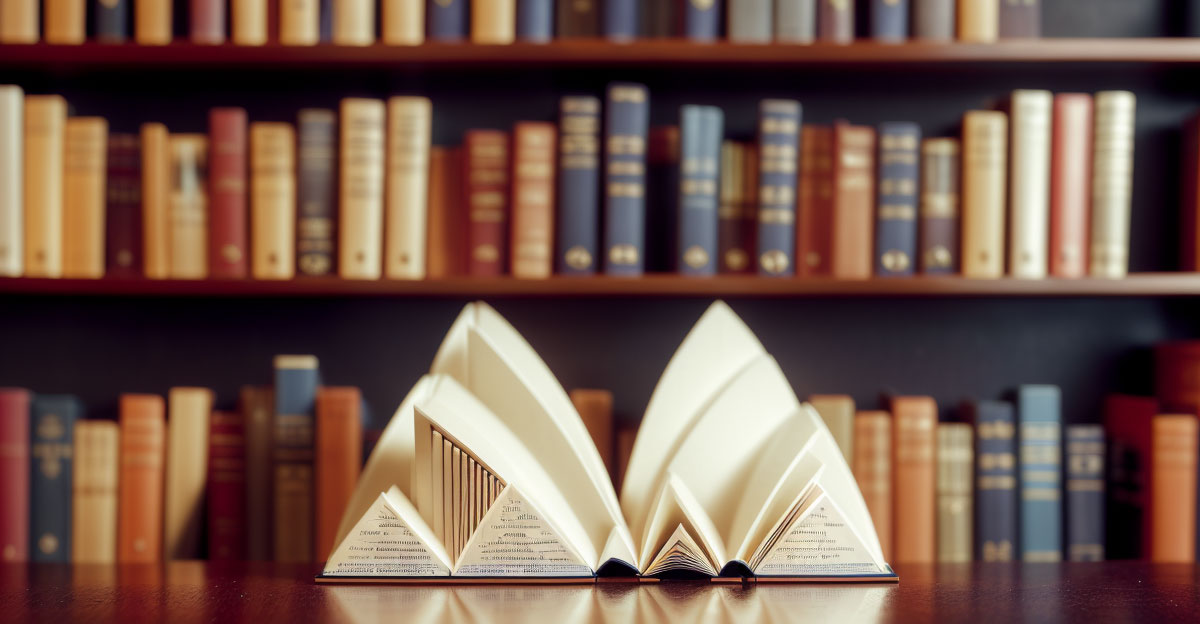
<point x="487" y="473"/>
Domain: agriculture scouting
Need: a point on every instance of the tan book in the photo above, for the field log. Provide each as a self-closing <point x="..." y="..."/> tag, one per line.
<point x="45" y="122"/>
<point x="189" y="410"/>
<point x="65" y="21"/>
<point x="595" y="407"/>
<point x="837" y="410"/>
<point x="532" y="244"/>
<point x="94" y="492"/>
<point x="84" y="176"/>
<point x="152" y="22"/>
<point x="354" y="22"/>
<point x="985" y="141"/>
<point x="1112" y="182"/>
<point x="1029" y="203"/>
<point x="12" y="212"/>
<point x="978" y="21"/>
<point x="361" y="165"/>
<point x="955" y="461"/>
<point x="19" y="21"/>
<point x="403" y="22"/>
<point x="187" y="207"/>
<point x="272" y="200"/>
<point x="299" y="22"/>
<point x="156" y="184"/>
<point x="493" y="21"/>
<point x="249" y="24"/>
<point x="872" y="466"/>
<point x="409" y="128"/>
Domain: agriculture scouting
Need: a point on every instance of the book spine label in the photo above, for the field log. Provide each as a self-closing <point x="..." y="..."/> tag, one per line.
<point x="835" y="21"/>
<point x="815" y="202"/>
<point x="1020" y="19"/>
<point x="896" y="208"/>
<point x="577" y="18"/>
<point x="1029" y="206"/>
<point x="662" y="193"/>
<point x="299" y="22"/>
<point x="360" y="242"/>
<point x="249" y="19"/>
<point x="487" y="190"/>
<point x="978" y="21"/>
<point x="12" y="212"/>
<point x="316" y="192"/>
<point x="854" y="201"/>
<point x="1112" y="183"/>
<point x="447" y="20"/>
<point x="533" y="199"/>
<point x="702" y="20"/>
<point x="295" y="405"/>
<point x="110" y="19"/>
<point x="1070" y="184"/>
<point x="658" y="19"/>
<point x="123" y="208"/>
<point x="985" y="143"/>
<point x="45" y="123"/>
<point x="445" y="247"/>
<point x="627" y="120"/>
<point x="1173" y="489"/>
<point x="914" y="483"/>
<point x="701" y="129"/>
<point x="954" y="517"/>
<point x="338" y="459"/>
<point x="187" y="206"/>
<point x="735" y="228"/>
<point x="207" y="21"/>
<point x="995" y="481"/>
<point x="65" y="23"/>
<point x="354" y="22"/>
<point x="155" y="191"/>
<point x="1085" y="493"/>
<point x="1041" y="480"/>
<point x="535" y="20"/>
<point x="14" y="474"/>
<point x="796" y="21"/>
<point x="872" y="467"/>
<point x="749" y="21"/>
<point x="84" y="179"/>
<point x="52" y="429"/>
<point x="933" y="20"/>
<point x="273" y="199"/>
<point x="778" y="155"/>
<point x="889" y="20"/>
<point x="228" y="241"/>
<point x="140" y="502"/>
<point x="403" y="22"/>
<point x="227" y="487"/>
<point x="939" y="206"/>
<point x="410" y="122"/>
<point x="19" y="21"/>
<point x="94" y="492"/>
<point x="257" y="407"/>
<point x="189" y="411"/>
<point x="578" y="185"/>
<point x="620" y="19"/>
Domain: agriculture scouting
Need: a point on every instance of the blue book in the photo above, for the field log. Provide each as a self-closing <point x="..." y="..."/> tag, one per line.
<point x="111" y="20"/>
<point x="896" y="208"/>
<point x="296" y="382"/>
<point x="658" y="19"/>
<point x="52" y="433"/>
<point x="325" y="25"/>
<point x="1040" y="409"/>
<point x="995" y="480"/>
<point x="535" y="20"/>
<point x="446" y="20"/>
<point x="778" y="162"/>
<point x="578" y="185"/>
<point x="1085" y="493"/>
<point x="889" y="20"/>
<point x="627" y="121"/>
<point x="621" y="19"/>
<point x="702" y="20"/>
<point x="701" y="129"/>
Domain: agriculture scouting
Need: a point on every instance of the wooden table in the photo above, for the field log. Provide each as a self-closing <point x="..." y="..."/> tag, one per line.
<point x="260" y="593"/>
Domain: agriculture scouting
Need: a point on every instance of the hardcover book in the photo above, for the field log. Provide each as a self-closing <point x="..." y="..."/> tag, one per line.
<point x="934" y="20"/>
<point x="65" y="23"/>
<point x="316" y="191"/>
<point x="360" y="185"/>
<point x="1112" y="183"/>
<point x="1020" y="19"/>
<point x="778" y="165"/>
<point x="140" y="498"/>
<point x="338" y="458"/>
<point x="749" y="21"/>
<point x="1085" y="492"/>
<point x="12" y="209"/>
<point x="995" y="479"/>
<point x="156" y="185"/>
<point x="1127" y="423"/>
<point x="1071" y="184"/>
<point x="354" y="22"/>
<point x="939" y="225"/>
<point x="410" y="123"/>
<point x="535" y="20"/>
<point x="1173" y="488"/>
<point x="627" y="120"/>
<point x="299" y="22"/>
<point x="14" y="474"/>
<point x="187" y="207"/>
<point x="577" y="18"/>
<point x="152" y="21"/>
<point x="737" y="214"/>
<point x="578" y="186"/>
<point x="889" y="20"/>
<point x="296" y="382"/>
<point x="123" y="207"/>
<point x="595" y="408"/>
<point x="984" y="175"/>
<point x="620" y="19"/>
<point x="84" y="180"/>
<point x="189" y="410"/>
<point x="403" y="22"/>
<point x="44" y="127"/>
<point x="446" y="242"/>
<point x="447" y="19"/>
<point x="1029" y="180"/>
<point x="19" y="21"/>
<point x="815" y="202"/>
<point x="207" y="21"/>
<point x="486" y="189"/>
<point x="228" y="240"/>
<point x="94" y="492"/>
<point x="493" y="22"/>
<point x="796" y="21"/>
<point x="837" y="412"/>
<point x="914" y="479"/>
<point x="853" y="222"/>
<point x="257" y="407"/>
<point x="662" y="199"/>
<point x="1040" y="413"/>
<point x="872" y="467"/>
<point x="658" y="18"/>
<point x="273" y="200"/>
<point x="248" y="23"/>
<point x="533" y="199"/>
<point x="701" y="129"/>
<point x="835" y="21"/>
<point x="52" y="429"/>
<point x="978" y="21"/>
<point x="110" y="20"/>
<point x="955" y="461"/>
<point x="896" y="206"/>
<point x="227" y="487"/>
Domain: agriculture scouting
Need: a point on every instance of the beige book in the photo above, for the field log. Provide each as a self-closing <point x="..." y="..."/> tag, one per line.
<point x="403" y="22"/>
<point x="985" y="141"/>
<point x="955" y="459"/>
<point x="409" y="127"/>
<point x="156" y="184"/>
<point x="12" y="228"/>
<point x="187" y="207"/>
<point x="152" y="22"/>
<point x="249" y="23"/>
<point x="45" y="122"/>
<point x="493" y="21"/>
<point x="361" y="165"/>
<point x="94" y="498"/>
<point x="272" y="200"/>
<point x="65" y="21"/>
<point x="299" y="22"/>
<point x="837" y="411"/>
<point x="19" y="21"/>
<point x="1112" y="183"/>
<point x="1029" y="197"/>
<point x="189" y="410"/>
<point x="978" y="21"/>
<point x="84" y="176"/>
<point x="354" y="22"/>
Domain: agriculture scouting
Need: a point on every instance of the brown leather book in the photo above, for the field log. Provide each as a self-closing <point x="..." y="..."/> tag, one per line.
<point x="872" y="466"/>
<point x="123" y="207"/>
<point x="228" y="243"/>
<point x="140" y="490"/>
<point x="338" y="459"/>
<point x="1173" y="488"/>
<point x="257" y="405"/>
<point x="84" y="178"/>
<point x="938" y="236"/>
<point x="735" y="242"/>
<point x="1070" y="184"/>
<point x="227" y="487"/>
<point x="94" y="492"/>
<point x="445" y="222"/>
<point x="156" y="183"/>
<point x="486" y="190"/>
<point x="624" y="436"/>
<point x="853" y="201"/>
<point x="914" y="480"/>
<point x="595" y="408"/>
<point x="814" y="202"/>
<point x="533" y="199"/>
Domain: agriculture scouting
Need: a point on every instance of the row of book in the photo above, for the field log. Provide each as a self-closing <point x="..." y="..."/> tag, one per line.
<point x="1051" y="192"/>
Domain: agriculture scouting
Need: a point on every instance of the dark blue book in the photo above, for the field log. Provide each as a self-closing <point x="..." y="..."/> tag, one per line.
<point x="627" y="121"/>
<point x="446" y="19"/>
<point x="1040" y="410"/>
<point x="535" y="20"/>
<point x="52" y="433"/>
<point x="889" y="20"/>
<point x="778" y="162"/>
<point x="621" y="19"/>
<point x="701" y="129"/>
<point x="1085" y="493"/>
<point x="296" y="382"/>
<point x="702" y="20"/>
<point x="111" y="20"/>
<point x="995" y="480"/>
<point x="896" y="207"/>
<point x="325" y="25"/>
<point x="578" y="185"/>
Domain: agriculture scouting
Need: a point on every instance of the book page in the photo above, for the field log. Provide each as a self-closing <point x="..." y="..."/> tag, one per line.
<point x="680" y="553"/>
<point x="789" y="488"/>
<point x="819" y="543"/>
<point x="674" y="507"/>
<point x="515" y="539"/>
<point x="390" y="539"/>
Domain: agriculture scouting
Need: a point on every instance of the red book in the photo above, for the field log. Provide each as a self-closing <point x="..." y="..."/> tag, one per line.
<point x="338" y="459"/>
<point x="1177" y="375"/>
<point x="14" y="474"/>
<point x="227" y="487"/>
<point x="533" y="199"/>
<point x="208" y="21"/>
<point x="1190" y="223"/>
<point x="228" y="250"/>
<point x="1127" y="423"/>
<point x="486" y="190"/>
<point x="1070" y="185"/>
<point x="814" y="202"/>
<point x="123" y="218"/>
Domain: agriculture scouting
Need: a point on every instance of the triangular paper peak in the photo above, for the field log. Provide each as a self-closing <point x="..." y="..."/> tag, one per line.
<point x="515" y="539"/>
<point x="819" y="543"/>
<point x="383" y="543"/>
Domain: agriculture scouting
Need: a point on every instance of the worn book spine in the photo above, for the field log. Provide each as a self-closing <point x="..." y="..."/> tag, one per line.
<point x="110" y="20"/>
<point x="446" y="225"/>
<point x="410" y="122"/>
<point x="535" y="20"/>
<point x="577" y="18"/>
<point x="1070" y="184"/>
<point x="257" y="407"/>
<point x="659" y="19"/>
<point x="595" y="409"/>
<point x="123" y="207"/>
<point x="701" y="129"/>
<point x="578" y="185"/>
<point x="155" y="192"/>
<point x="1112" y="183"/>
<point x="889" y="20"/>
<point x="796" y="21"/>
<point x="978" y="21"/>
<point x="778" y="164"/>
<point x="939" y="223"/>
<point x="620" y="19"/>
<point x="84" y="180"/>
<point x="933" y="20"/>
<point x="228" y="240"/>
<point x="249" y="22"/>
<point x="152" y="22"/>
<point x="296" y="382"/>
<point x="1020" y="19"/>
<point x="140" y="498"/>
<point x="14" y="474"/>
<point x="627" y="120"/>
<point x="701" y="19"/>
<point x="19" y="21"/>
<point x="338" y="459"/>
<point x="1085" y="492"/>
<point x="984" y="169"/>
<point x="896" y="207"/>
<point x="835" y="21"/>
<point x="65" y="22"/>
<point x="1029" y="184"/>
<point x="662" y="194"/>
<point x="360" y="227"/>
<point x="872" y="467"/>
<point x="299" y="22"/>
<point x="403" y="22"/>
<point x="354" y="22"/>
<point x="207" y="21"/>
<point x="853" y="223"/>
<point x="187" y="207"/>
<point x="1040" y="412"/>
<point x="837" y="411"/>
<point x="532" y="236"/>
<point x="749" y="21"/>
<point x="44" y="128"/>
<point x="815" y="202"/>
<point x="1127" y="425"/>
<point x="914" y="479"/>
<point x="1173" y="489"/>
<point x="52" y="428"/>
<point x="94" y="492"/>
<point x="486" y="187"/>
<point x="188" y="412"/>
<point x="995" y="479"/>
<point x="12" y="210"/>
<point x="733" y="252"/>
<point x="316" y="191"/>
<point x="955" y="461"/>
<point x="273" y="200"/>
<point x="447" y="19"/>
<point x="226" y="519"/>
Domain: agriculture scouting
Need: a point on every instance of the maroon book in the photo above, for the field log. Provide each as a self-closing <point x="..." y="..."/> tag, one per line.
<point x="227" y="487"/>
<point x="14" y="474"/>
<point x="208" y="21"/>
<point x="228" y="248"/>
<point x="486" y="184"/>
<point x="123" y="207"/>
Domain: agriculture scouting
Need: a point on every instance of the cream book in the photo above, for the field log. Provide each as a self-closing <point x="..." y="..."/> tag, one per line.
<point x="487" y="472"/>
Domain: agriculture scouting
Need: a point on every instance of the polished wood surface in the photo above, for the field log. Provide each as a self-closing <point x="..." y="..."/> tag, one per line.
<point x="259" y="593"/>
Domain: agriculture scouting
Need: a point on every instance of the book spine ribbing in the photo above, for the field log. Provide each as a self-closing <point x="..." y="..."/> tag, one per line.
<point x="1173" y="489"/>
<point x="578" y="185"/>
<point x="486" y="187"/>
<point x="1112" y="183"/>
<point x="296" y="381"/>
<point x="15" y="468"/>
<point x="995" y="481"/>
<point x="535" y="20"/>
<point x="1040" y="469"/>
<point x="896" y="208"/>
<point x="52" y="435"/>
<point x="939" y="206"/>
<point x="228" y="240"/>
<point x="84" y="181"/>
<point x="778" y="156"/>
<point x="447" y="20"/>
<point x="796" y="21"/>
<point x="1085" y="493"/>
<point x="701" y="129"/>
<point x="914" y="484"/>
<point x="316" y="192"/>
<point x="627" y="118"/>
<point x="889" y="20"/>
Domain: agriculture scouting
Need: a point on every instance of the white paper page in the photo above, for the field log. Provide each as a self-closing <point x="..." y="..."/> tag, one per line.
<point x="390" y="539"/>
<point x="820" y="542"/>
<point x="755" y="522"/>
<point x="686" y="553"/>
<point x="673" y="507"/>
<point x="515" y="539"/>
<point x="451" y="356"/>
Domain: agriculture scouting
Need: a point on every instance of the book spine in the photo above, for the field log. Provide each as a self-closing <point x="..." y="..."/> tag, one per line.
<point x="273" y="200"/>
<point x="796" y="21"/>
<point x="296" y="382"/>
<point x="155" y="191"/>
<point x="354" y="22"/>
<point x="985" y="141"/>
<point x="749" y="21"/>
<point x="532" y="245"/>
<point x="228" y="242"/>
<point x="954" y="516"/>
<point x="914" y="483"/>
<point x="324" y="18"/>
<point x="207" y="21"/>
<point x="446" y="225"/>
<point x="995" y="481"/>
<point x="299" y="22"/>
<point x="110" y="20"/>
<point x="12" y="211"/>
<point x="1020" y="19"/>
<point x="701" y="129"/>
<point x="733" y="252"/>
<point x="123" y="208"/>
<point x="249" y="22"/>
<point x="1070" y="184"/>
<point x="595" y="410"/>
<point x="14" y="474"/>
<point x="84" y="179"/>
<point x="578" y="185"/>
<point x="1127" y="426"/>
<point x="535" y="20"/>
<point x="661" y="235"/>
<point x="152" y="21"/>
<point x="837" y="411"/>
<point x="227" y="487"/>
<point x="410" y="122"/>
<point x="360" y="231"/>
<point x="65" y="22"/>
<point x="447" y="19"/>
<point x="896" y="209"/>
<point x="140" y="498"/>
<point x="1112" y="183"/>
<point x="486" y="190"/>
<point x="1085" y="493"/>
<point x="1029" y="191"/>
<point x="94" y="492"/>
<point x="19" y="21"/>
<point x="577" y="18"/>
<point x="1041" y="481"/>
<point x="889" y="20"/>
<point x="701" y="19"/>
<point x="620" y="19"/>
<point x="338" y="459"/>
<point x="257" y="407"/>
<point x="1172" y="489"/>
<point x="45" y="123"/>
<point x="403" y="22"/>
<point x="872" y="467"/>
<point x="835" y="21"/>
<point x="815" y="202"/>
<point x="658" y="19"/>
<point x="778" y="155"/>
<point x="187" y="207"/>
<point x="627" y="121"/>
<point x="854" y="201"/>
<point x="978" y="21"/>
<point x="316" y="192"/>
<point x="939" y="206"/>
<point x="189" y="410"/>
<point x="52" y="428"/>
<point x="933" y="20"/>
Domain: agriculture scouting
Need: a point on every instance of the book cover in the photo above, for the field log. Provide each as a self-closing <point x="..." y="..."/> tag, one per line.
<point x="354" y="22"/>
<point x="577" y="18"/>
<point x="837" y="412"/>
<point x="595" y="408"/>
<point x="532" y="245"/>
<point x="123" y="207"/>
<point x="361" y="181"/>
<point x="978" y="21"/>
<point x="737" y="217"/>
<point x="914" y="479"/>
<point x="15" y="467"/>
<point x="984" y="182"/>
<point x="110" y="20"/>
<point x="84" y="180"/>
<point x="749" y="21"/>
<point x="1029" y="184"/>
<point x="445" y="245"/>
<point x="627" y="120"/>
<point x="338" y="459"/>
<point x="1127" y="424"/>
<point x="228" y="240"/>
<point x="44" y="129"/>
<point x="796" y="21"/>
<point x="156" y="184"/>
<point x="939" y="224"/>
<point x="316" y="191"/>
<point x="955" y="461"/>
<point x="815" y="202"/>
<point x="189" y="411"/>
<point x="410" y="122"/>
<point x="701" y="129"/>
<point x="1070" y="184"/>
<point x="12" y="210"/>
<point x="152" y="22"/>
<point x="853" y="221"/>
<point x="273" y="200"/>
<point x="535" y="20"/>
<point x="486" y="186"/>
<point x="447" y="19"/>
<point x="889" y="20"/>
<point x="835" y="21"/>
<point x="207" y="21"/>
<point x="140" y="495"/>
<point x="995" y="479"/>
<point x="94" y="492"/>
<point x="620" y="19"/>
<point x="187" y="206"/>
<point x="1085" y="492"/>
<point x="933" y="20"/>
<point x="872" y="467"/>
<point x="577" y="240"/>
<point x="300" y="22"/>
<point x="493" y="22"/>
<point x="896" y="207"/>
<point x="403" y="22"/>
<point x="52" y="434"/>
<point x="1112" y="183"/>
<point x="227" y="487"/>
<point x="663" y="170"/>
<point x="65" y="21"/>
<point x="296" y="382"/>
<point x="256" y="405"/>
<point x="1040" y="413"/>
<point x="1172" y="488"/>
<point x="249" y="21"/>
<point x="1020" y="19"/>
<point x="778" y="156"/>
